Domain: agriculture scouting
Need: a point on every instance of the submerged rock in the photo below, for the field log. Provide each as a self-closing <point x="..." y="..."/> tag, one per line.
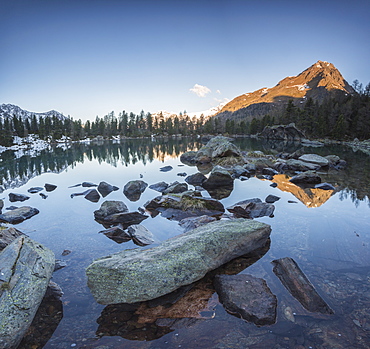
<point x="88" y="184"/>
<point x="297" y="283"/>
<point x="18" y="215"/>
<point x="247" y="297"/>
<point x="26" y="268"/>
<point x="137" y="275"/>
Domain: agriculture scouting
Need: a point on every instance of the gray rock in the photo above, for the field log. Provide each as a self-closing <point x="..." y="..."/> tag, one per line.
<point x="92" y="195"/>
<point x="269" y="171"/>
<point x="137" y="275"/>
<point x="272" y="198"/>
<point x="307" y="177"/>
<point x="299" y="165"/>
<point x="50" y="187"/>
<point x="105" y="188"/>
<point x="247" y="297"/>
<point x="18" y="215"/>
<point x="35" y="190"/>
<point x="108" y="208"/>
<point x="188" y="204"/>
<point x="219" y="177"/>
<point x="17" y="197"/>
<point x="196" y="179"/>
<point x="43" y="196"/>
<point x="240" y="171"/>
<point x="333" y="159"/>
<point x="8" y="235"/>
<point x="252" y="208"/>
<point x="160" y="186"/>
<point x="134" y="189"/>
<point x="325" y="186"/>
<point x="88" y="184"/>
<point x="126" y="219"/>
<point x="117" y="234"/>
<point x="250" y="167"/>
<point x="1" y="204"/>
<point x="166" y="168"/>
<point x="189" y="157"/>
<point x="176" y="188"/>
<point x="283" y="132"/>
<point x="297" y="283"/>
<point x="140" y="235"/>
<point x="190" y="223"/>
<point x="314" y="159"/>
<point x="26" y="268"/>
<point x="182" y="174"/>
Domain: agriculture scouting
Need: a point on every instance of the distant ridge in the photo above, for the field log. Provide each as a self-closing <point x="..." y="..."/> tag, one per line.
<point x="318" y="81"/>
<point x="10" y="110"/>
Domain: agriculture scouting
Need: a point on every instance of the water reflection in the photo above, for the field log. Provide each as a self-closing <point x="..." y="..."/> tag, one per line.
<point x="14" y="172"/>
<point x="311" y="197"/>
<point x="182" y="308"/>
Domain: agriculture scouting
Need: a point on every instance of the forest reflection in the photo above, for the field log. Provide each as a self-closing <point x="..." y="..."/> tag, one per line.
<point x="16" y="171"/>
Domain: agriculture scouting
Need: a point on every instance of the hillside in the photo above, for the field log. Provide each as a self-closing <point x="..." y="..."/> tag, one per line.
<point x="10" y="110"/>
<point x="319" y="81"/>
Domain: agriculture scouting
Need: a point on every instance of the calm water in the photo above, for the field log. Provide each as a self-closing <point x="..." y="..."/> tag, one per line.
<point x="328" y="234"/>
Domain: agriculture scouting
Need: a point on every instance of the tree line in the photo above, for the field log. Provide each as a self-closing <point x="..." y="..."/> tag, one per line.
<point x="344" y="116"/>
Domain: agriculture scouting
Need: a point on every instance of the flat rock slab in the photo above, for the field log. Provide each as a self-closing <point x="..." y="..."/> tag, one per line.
<point x="314" y="159"/>
<point x="297" y="283"/>
<point x="26" y="268"/>
<point x="138" y="275"/>
<point x="18" y="215"/>
<point x="247" y="297"/>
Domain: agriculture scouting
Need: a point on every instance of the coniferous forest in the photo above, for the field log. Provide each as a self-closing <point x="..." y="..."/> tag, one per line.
<point x="343" y="117"/>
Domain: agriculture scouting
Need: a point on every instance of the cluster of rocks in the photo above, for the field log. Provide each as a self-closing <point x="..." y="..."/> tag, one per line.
<point x="14" y="214"/>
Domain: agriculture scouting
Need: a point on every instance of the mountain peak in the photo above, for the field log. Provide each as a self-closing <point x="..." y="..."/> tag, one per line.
<point x="316" y="82"/>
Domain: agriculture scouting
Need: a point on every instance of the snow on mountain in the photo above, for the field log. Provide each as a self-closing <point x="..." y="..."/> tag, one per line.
<point x="206" y="113"/>
<point x="9" y="110"/>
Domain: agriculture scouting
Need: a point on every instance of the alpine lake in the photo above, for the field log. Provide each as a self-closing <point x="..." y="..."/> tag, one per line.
<point x="326" y="232"/>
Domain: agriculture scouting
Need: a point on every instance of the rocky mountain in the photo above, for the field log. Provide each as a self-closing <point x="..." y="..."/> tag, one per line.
<point x="317" y="82"/>
<point x="9" y="110"/>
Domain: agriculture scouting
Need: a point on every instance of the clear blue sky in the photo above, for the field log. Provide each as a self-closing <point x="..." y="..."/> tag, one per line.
<point x="89" y="57"/>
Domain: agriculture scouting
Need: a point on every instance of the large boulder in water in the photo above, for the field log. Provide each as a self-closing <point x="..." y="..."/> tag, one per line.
<point x="138" y="275"/>
<point x="314" y="159"/>
<point x="247" y="297"/>
<point x="283" y="132"/>
<point x="218" y="148"/>
<point x="26" y="268"/>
